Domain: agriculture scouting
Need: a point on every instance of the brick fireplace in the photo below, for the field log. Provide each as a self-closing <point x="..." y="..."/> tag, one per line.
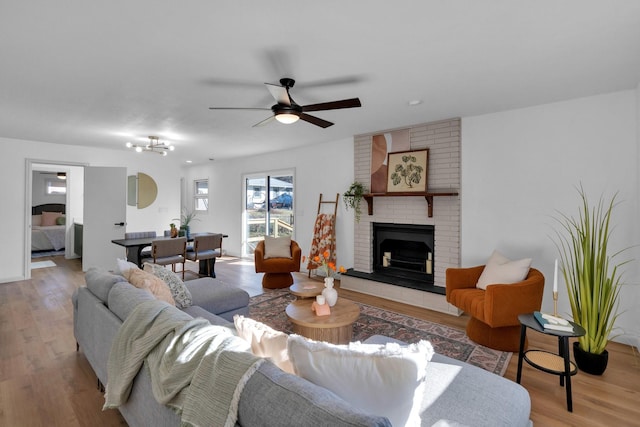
<point x="442" y="138"/>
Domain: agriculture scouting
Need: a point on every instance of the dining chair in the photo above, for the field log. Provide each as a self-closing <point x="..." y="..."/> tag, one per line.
<point x="170" y="252"/>
<point x="146" y="251"/>
<point x="206" y="247"/>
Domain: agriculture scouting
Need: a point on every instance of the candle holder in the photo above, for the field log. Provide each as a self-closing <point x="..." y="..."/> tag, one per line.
<point x="555" y="303"/>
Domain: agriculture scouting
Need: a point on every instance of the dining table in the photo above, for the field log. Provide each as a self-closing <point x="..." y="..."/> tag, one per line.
<point x="134" y="249"/>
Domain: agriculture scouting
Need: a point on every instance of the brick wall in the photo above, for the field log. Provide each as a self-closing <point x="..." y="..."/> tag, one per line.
<point x="442" y="138"/>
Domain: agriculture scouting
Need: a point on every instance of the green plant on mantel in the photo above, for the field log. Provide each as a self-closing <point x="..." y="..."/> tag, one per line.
<point x="353" y="196"/>
<point x="590" y="273"/>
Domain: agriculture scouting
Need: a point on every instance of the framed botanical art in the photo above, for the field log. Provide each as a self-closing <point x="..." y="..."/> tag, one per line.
<point x="407" y="171"/>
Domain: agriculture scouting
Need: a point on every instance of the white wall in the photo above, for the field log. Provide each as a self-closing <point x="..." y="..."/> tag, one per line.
<point x="521" y="167"/>
<point x="326" y="168"/>
<point x="157" y="217"/>
<point x="39" y="194"/>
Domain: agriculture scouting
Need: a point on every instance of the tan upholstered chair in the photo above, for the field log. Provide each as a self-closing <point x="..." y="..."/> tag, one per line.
<point x="494" y="311"/>
<point x="206" y="247"/>
<point x="170" y="252"/>
<point x="277" y="271"/>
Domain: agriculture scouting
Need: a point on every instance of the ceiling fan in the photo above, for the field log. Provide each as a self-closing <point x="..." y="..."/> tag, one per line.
<point x="287" y="111"/>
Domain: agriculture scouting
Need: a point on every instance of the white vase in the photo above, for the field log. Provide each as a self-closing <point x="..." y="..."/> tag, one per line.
<point x="329" y="293"/>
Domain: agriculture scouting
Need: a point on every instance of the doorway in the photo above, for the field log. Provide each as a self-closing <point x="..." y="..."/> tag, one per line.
<point x="268" y="208"/>
<point x="56" y="184"/>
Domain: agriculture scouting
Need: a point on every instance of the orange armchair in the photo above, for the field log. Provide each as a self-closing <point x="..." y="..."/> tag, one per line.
<point x="277" y="271"/>
<point x="494" y="312"/>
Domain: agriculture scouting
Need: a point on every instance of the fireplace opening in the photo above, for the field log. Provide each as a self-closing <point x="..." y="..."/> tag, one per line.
<point x="404" y="251"/>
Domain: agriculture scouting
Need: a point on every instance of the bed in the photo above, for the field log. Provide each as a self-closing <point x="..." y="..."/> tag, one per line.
<point x="48" y="229"/>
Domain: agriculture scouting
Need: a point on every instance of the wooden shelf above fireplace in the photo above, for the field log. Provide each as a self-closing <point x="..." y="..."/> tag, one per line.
<point x="428" y="197"/>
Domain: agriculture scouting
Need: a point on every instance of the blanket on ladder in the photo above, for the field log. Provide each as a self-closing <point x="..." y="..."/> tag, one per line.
<point x="196" y="368"/>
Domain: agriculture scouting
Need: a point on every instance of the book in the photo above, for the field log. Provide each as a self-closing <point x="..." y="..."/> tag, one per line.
<point x="552" y="323"/>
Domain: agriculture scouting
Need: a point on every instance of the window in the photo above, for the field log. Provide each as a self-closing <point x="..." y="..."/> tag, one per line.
<point x="54" y="186"/>
<point x="201" y="195"/>
<point x="269" y="207"/>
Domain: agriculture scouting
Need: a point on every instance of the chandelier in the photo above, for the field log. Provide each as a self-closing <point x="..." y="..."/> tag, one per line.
<point x="154" y="146"/>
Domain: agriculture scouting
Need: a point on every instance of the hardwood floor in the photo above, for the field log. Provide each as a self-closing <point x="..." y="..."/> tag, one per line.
<point x="44" y="381"/>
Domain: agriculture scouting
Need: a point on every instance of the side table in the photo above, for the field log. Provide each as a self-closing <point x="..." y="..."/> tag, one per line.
<point x="336" y="328"/>
<point x="556" y="364"/>
<point x="308" y="290"/>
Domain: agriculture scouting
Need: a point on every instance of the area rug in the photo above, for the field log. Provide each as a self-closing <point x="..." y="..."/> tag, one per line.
<point x="269" y="308"/>
<point x="42" y="264"/>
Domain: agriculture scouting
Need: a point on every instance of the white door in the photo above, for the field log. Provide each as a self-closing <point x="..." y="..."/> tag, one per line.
<point x="104" y="217"/>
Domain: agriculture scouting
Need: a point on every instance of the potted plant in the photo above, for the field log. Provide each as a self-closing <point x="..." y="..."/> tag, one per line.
<point x="592" y="278"/>
<point x="185" y="222"/>
<point x="353" y="196"/>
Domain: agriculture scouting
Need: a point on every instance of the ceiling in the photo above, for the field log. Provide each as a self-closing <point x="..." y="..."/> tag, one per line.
<point x="104" y="73"/>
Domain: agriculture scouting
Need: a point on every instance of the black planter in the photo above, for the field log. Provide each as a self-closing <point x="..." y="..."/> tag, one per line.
<point x="594" y="364"/>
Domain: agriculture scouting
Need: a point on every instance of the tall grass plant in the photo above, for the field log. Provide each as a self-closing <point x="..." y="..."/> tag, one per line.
<point x="591" y="274"/>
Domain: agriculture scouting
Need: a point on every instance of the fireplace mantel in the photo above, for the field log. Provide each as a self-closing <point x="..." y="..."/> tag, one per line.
<point x="427" y="195"/>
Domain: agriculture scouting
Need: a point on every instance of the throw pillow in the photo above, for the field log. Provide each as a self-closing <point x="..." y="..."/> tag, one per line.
<point x="387" y="380"/>
<point x="61" y="220"/>
<point x="501" y="270"/>
<point x="123" y="266"/>
<point x="179" y="291"/>
<point x="145" y="280"/>
<point x="49" y="218"/>
<point x="277" y="247"/>
<point x="264" y="341"/>
<point x="36" y="220"/>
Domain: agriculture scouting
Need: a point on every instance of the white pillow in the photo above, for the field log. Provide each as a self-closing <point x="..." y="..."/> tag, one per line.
<point x="123" y="266"/>
<point x="501" y="270"/>
<point x="264" y="341"/>
<point x="277" y="247"/>
<point x="386" y="380"/>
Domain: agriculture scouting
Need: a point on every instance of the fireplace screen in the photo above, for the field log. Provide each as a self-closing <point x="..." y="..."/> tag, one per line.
<point x="404" y="250"/>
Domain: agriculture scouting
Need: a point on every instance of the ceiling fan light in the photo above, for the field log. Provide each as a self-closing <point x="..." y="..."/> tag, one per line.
<point x="287" y="118"/>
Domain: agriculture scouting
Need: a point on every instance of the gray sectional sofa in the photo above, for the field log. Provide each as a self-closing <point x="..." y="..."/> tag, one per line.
<point x="457" y="394"/>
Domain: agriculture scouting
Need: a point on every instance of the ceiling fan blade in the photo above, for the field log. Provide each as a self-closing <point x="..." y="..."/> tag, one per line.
<point x="335" y="81"/>
<point x="239" y="108"/>
<point x="212" y="81"/>
<point x="280" y="93"/>
<point x="334" y="105"/>
<point x="315" y="120"/>
<point x="264" y="122"/>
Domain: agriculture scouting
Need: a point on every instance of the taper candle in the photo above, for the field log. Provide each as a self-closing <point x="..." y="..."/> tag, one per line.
<point x="555" y="277"/>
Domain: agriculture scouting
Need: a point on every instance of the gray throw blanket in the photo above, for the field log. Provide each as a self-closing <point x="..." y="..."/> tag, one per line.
<point x="196" y="368"/>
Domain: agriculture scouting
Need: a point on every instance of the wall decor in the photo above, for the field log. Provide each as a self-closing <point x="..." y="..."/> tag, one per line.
<point x="381" y="146"/>
<point x="407" y="172"/>
<point x="142" y="190"/>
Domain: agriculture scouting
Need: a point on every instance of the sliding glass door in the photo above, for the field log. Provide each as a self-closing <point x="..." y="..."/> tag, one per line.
<point x="268" y="207"/>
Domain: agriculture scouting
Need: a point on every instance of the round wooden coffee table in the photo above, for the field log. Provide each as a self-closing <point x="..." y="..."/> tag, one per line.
<point x="306" y="290"/>
<point x="336" y="328"/>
